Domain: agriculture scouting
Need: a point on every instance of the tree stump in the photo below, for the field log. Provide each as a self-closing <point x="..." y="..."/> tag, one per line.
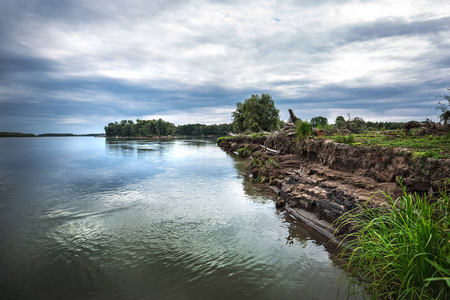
<point x="292" y="118"/>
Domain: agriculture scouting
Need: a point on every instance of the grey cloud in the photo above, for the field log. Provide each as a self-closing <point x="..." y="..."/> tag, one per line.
<point x="79" y="11"/>
<point x="284" y="63"/>
<point x="11" y="63"/>
<point x="364" y="101"/>
<point x="391" y="27"/>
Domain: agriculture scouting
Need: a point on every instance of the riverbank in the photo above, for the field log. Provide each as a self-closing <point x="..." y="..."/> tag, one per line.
<point x="328" y="179"/>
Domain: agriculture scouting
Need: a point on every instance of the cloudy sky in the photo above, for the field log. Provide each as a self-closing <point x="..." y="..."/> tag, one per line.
<point x="74" y="66"/>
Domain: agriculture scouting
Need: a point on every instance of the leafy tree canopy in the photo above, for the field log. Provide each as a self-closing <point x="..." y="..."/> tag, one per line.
<point x="319" y="121"/>
<point x="255" y="114"/>
<point x="340" y="122"/>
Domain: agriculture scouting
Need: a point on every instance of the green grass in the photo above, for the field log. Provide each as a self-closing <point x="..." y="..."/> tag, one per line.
<point x="401" y="251"/>
<point x="222" y="138"/>
<point x="427" y="146"/>
<point x="346" y="139"/>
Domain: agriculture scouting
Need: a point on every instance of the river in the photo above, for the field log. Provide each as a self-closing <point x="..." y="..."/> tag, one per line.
<point x="93" y="218"/>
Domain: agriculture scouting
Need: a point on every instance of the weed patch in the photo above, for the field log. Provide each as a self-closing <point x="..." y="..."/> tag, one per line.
<point x="304" y="129"/>
<point x="244" y="152"/>
<point x="345" y="139"/>
<point x="403" y="251"/>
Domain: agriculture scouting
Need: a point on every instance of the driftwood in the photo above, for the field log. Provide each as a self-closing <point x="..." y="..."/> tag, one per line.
<point x="271" y="150"/>
<point x="427" y="127"/>
<point x="410" y="125"/>
<point x="289" y="126"/>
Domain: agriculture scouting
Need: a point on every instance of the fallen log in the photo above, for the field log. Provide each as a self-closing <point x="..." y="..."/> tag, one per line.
<point x="271" y="150"/>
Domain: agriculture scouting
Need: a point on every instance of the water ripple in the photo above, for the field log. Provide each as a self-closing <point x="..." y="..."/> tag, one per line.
<point x="133" y="223"/>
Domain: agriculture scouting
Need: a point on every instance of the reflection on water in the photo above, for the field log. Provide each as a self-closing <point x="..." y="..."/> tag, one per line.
<point x="122" y="219"/>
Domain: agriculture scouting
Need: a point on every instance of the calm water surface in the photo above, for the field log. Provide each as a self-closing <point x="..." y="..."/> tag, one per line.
<point x="89" y="218"/>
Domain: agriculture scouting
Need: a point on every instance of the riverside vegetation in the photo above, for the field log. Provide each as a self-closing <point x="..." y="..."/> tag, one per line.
<point x="402" y="250"/>
<point x="397" y="245"/>
<point x="395" y="231"/>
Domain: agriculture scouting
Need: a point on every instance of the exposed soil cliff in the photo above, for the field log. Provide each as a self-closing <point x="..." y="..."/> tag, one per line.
<point x="329" y="179"/>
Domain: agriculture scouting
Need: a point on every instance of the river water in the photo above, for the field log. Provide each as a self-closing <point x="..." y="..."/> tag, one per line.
<point x="92" y="218"/>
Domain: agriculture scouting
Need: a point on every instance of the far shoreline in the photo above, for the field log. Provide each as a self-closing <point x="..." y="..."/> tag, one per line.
<point x="20" y="134"/>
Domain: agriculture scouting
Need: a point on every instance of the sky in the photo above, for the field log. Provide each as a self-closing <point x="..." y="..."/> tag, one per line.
<point x="75" y="66"/>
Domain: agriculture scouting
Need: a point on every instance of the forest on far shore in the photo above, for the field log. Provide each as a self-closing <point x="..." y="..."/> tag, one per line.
<point x="148" y="128"/>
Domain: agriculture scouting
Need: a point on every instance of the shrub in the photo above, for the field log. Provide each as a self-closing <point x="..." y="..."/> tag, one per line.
<point x="356" y="125"/>
<point x="244" y="152"/>
<point x="304" y="129"/>
<point x="401" y="252"/>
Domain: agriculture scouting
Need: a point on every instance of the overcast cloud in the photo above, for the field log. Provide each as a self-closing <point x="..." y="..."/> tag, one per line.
<point x="75" y="66"/>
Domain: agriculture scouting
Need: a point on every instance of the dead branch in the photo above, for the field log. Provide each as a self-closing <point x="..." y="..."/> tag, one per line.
<point x="271" y="150"/>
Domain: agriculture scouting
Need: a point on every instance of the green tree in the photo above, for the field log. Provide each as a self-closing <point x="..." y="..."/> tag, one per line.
<point x="140" y="128"/>
<point x="255" y="114"/>
<point x="340" y="122"/>
<point x="444" y="117"/>
<point x="356" y="125"/>
<point x="319" y="121"/>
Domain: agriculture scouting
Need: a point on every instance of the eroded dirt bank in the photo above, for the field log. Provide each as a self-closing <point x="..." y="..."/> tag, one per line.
<point x="329" y="179"/>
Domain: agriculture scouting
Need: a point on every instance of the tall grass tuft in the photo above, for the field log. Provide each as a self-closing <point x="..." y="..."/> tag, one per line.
<point x="304" y="129"/>
<point x="401" y="251"/>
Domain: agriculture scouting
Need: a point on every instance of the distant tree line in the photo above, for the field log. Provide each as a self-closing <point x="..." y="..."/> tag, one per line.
<point x="358" y="125"/>
<point x="378" y="126"/>
<point x="201" y="129"/>
<point x="56" y="134"/>
<point x="355" y="124"/>
<point x="16" y="134"/>
<point x="144" y="128"/>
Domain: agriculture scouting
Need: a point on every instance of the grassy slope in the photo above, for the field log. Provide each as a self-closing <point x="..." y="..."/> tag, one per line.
<point x="428" y="146"/>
